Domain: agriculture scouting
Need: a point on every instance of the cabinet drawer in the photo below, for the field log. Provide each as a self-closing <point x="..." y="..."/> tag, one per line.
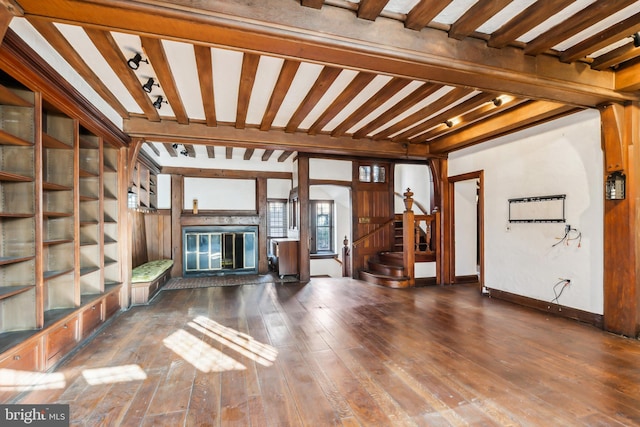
<point x="112" y="304"/>
<point x="25" y="359"/>
<point x="91" y="318"/>
<point x="60" y="341"/>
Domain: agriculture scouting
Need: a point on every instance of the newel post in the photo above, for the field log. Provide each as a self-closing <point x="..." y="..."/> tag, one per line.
<point x="409" y="238"/>
<point x="346" y="258"/>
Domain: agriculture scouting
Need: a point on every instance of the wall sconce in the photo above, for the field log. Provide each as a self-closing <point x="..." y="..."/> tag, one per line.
<point x="158" y="102"/>
<point x="148" y="86"/>
<point x="134" y="62"/>
<point x="615" y="186"/>
<point x="132" y="199"/>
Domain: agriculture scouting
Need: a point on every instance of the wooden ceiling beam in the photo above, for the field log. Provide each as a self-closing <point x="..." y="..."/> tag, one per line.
<point x="267" y="155"/>
<point x="316" y="4"/>
<point x="403" y="105"/>
<point x="515" y="119"/>
<point x="223" y="173"/>
<point x="326" y="78"/>
<point x="351" y="91"/>
<point x="526" y="20"/>
<point x="285" y="78"/>
<point x="211" y="151"/>
<point x="191" y="151"/>
<point x="108" y="47"/>
<point x="389" y="90"/>
<point x="582" y="20"/>
<point x="284" y="156"/>
<point x="55" y="38"/>
<point x="424" y="12"/>
<point x="250" y="63"/>
<point x="477" y="15"/>
<point x="169" y="147"/>
<point x="410" y="121"/>
<point x="204" y="63"/>
<point x="200" y="133"/>
<point x="467" y="119"/>
<point x="331" y="37"/>
<point x="370" y="9"/>
<point x="229" y="153"/>
<point x="615" y="56"/>
<point x="153" y="148"/>
<point x="248" y="153"/>
<point x="628" y="78"/>
<point x="443" y="116"/>
<point x="604" y="38"/>
<point x="158" y="61"/>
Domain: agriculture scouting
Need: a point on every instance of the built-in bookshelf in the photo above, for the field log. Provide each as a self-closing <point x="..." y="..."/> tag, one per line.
<point x="60" y="267"/>
<point x="144" y="184"/>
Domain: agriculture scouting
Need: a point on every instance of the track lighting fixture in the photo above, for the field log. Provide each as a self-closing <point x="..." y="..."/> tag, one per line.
<point x="497" y="102"/>
<point x="449" y="123"/>
<point x="636" y="39"/>
<point x="134" y="62"/>
<point x="148" y="86"/>
<point x="184" y="151"/>
<point x="158" y="102"/>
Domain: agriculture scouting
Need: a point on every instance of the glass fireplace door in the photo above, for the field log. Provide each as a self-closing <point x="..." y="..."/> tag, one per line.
<point x="219" y="250"/>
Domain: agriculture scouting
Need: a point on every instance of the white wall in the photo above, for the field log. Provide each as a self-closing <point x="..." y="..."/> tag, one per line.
<point x="164" y="191"/>
<point x="330" y="169"/>
<point x="560" y="157"/>
<point x="220" y="193"/>
<point x="466" y="227"/>
<point x="278" y="188"/>
<point x="416" y="177"/>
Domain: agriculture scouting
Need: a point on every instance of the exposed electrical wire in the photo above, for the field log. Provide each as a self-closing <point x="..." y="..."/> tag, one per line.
<point x="570" y="234"/>
<point x="564" y="283"/>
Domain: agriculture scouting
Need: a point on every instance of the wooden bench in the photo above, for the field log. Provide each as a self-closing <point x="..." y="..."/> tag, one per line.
<point x="148" y="278"/>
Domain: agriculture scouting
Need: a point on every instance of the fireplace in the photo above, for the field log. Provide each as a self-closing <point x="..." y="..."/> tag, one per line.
<point x="218" y="250"/>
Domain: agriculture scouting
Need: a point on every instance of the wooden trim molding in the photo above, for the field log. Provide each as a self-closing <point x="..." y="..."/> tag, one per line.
<point x="594" y="319"/>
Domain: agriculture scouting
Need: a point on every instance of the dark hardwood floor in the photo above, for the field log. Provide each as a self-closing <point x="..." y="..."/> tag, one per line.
<point x="343" y="352"/>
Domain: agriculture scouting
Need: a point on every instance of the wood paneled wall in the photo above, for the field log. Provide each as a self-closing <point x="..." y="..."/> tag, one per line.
<point x="139" y="239"/>
<point x="158" y="227"/>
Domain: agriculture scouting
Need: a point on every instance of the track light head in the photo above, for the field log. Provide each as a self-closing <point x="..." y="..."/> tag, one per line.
<point x="448" y="123"/>
<point x="148" y="86"/>
<point x="134" y="62"/>
<point x="636" y="39"/>
<point x="497" y="102"/>
<point x="158" y="102"/>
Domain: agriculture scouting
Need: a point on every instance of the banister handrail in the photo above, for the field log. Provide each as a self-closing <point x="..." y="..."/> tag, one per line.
<point x="415" y="202"/>
<point x="371" y="233"/>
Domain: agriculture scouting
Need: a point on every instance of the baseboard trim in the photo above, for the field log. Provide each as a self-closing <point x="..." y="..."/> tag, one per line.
<point x="596" y="320"/>
<point x="471" y="278"/>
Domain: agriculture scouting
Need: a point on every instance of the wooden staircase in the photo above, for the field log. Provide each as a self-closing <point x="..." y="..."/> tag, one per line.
<point x="387" y="267"/>
<point x="386" y="270"/>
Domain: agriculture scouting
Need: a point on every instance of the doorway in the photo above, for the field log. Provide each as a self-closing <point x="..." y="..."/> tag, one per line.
<point x="467" y="228"/>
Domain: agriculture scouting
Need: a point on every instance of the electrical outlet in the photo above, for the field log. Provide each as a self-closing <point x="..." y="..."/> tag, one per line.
<point x="567" y="229"/>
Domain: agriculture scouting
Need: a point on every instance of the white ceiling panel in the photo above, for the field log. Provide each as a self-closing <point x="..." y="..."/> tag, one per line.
<point x="556" y="19"/>
<point x="499" y="19"/>
<point x="182" y="61"/>
<point x="454" y="11"/>
<point x="266" y="79"/>
<point x="227" y="65"/>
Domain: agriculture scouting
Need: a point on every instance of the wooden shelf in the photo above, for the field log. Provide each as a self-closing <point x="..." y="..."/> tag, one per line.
<point x="56" y="214"/>
<point x="109" y="169"/>
<point x="7" y="260"/>
<point x="89" y="222"/>
<point x="88" y="270"/>
<point x="48" y="275"/>
<point x="109" y="241"/>
<point x="54" y="242"/>
<point x="49" y="141"/>
<point x="86" y="174"/>
<point x="8" y="139"/>
<point x="52" y="186"/>
<point x="13" y="177"/>
<point x="9" y="291"/>
<point x="109" y="220"/>
<point x="88" y="198"/>
<point x="88" y="243"/>
<point x="7" y="97"/>
<point x="109" y="261"/>
<point x="15" y="215"/>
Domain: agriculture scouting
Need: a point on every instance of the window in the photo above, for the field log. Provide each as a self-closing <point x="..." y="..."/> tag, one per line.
<point x="372" y="173"/>
<point x="277" y="218"/>
<point x="322" y="227"/>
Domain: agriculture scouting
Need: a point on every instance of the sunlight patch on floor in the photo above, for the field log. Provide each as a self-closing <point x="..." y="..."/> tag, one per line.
<point x="200" y="354"/>
<point x="114" y="374"/>
<point x="15" y="380"/>
<point x="244" y="344"/>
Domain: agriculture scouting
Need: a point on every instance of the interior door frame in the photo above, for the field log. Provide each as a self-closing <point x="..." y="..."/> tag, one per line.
<point x="479" y="175"/>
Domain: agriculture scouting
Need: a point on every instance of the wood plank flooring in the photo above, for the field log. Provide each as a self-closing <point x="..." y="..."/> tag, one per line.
<point x="343" y="352"/>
